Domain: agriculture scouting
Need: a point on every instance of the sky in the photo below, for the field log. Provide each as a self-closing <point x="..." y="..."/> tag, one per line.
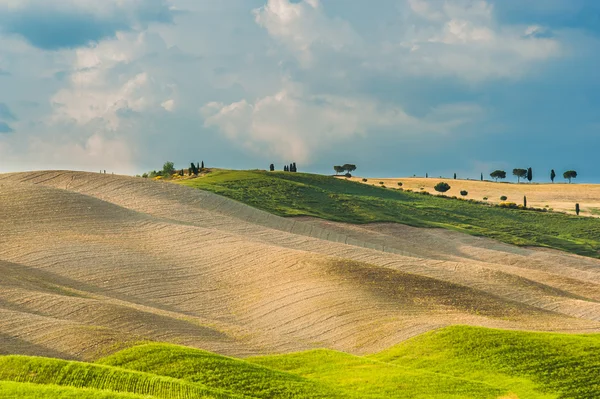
<point x="396" y="87"/>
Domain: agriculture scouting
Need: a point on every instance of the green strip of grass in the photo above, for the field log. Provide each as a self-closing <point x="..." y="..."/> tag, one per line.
<point x="367" y="378"/>
<point x="209" y="369"/>
<point x="532" y="365"/>
<point x="301" y="194"/>
<point x="70" y="374"/>
<point x="19" y="390"/>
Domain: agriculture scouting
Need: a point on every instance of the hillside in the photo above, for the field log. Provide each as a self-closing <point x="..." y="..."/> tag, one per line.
<point x="453" y="362"/>
<point x="93" y="263"/>
<point x="559" y="196"/>
<point x="300" y="194"/>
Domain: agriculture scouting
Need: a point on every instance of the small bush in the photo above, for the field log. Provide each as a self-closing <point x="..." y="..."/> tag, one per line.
<point x="464" y="193"/>
<point x="503" y="198"/>
<point x="348" y="175"/>
<point x="510" y="205"/>
<point x="442" y="187"/>
<point x="485" y="198"/>
<point x="365" y="180"/>
<point x="381" y="183"/>
<point x="400" y="184"/>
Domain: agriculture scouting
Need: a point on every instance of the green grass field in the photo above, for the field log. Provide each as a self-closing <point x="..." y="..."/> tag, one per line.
<point x="454" y="362"/>
<point x="301" y="194"/>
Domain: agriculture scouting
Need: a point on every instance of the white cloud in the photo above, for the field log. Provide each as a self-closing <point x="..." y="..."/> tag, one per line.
<point x="436" y="38"/>
<point x="301" y="26"/>
<point x="98" y="91"/>
<point x="293" y="124"/>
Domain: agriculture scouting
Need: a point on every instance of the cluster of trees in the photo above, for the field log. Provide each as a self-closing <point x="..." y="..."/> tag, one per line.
<point x="286" y="168"/>
<point x="347" y="167"/>
<point x="528" y="174"/>
<point x="169" y="170"/>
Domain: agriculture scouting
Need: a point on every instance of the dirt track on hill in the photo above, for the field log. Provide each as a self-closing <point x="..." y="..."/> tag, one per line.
<point x="91" y="262"/>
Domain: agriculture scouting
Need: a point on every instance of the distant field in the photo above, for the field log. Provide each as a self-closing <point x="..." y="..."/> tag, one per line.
<point x="299" y="194"/>
<point x="561" y="197"/>
<point x="454" y="362"/>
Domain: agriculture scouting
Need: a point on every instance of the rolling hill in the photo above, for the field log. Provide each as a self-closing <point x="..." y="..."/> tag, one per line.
<point x="93" y="263"/>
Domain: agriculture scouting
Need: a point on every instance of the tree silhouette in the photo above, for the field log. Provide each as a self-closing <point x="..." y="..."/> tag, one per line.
<point x="570" y="174"/>
<point x="349" y="167"/>
<point x="529" y="175"/>
<point x="455" y="176"/>
<point x="202" y="165"/>
<point x="552" y="175"/>
<point x="524" y="201"/>
<point x="520" y="173"/>
<point x="577" y="209"/>
<point x="498" y="174"/>
<point x="272" y="167"/>
<point x="338" y="169"/>
<point x="482" y="177"/>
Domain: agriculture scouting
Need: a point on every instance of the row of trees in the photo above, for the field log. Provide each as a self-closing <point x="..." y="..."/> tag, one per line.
<point x="528" y="174"/>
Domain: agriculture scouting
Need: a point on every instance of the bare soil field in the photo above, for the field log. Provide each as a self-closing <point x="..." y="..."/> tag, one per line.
<point x="560" y="197"/>
<point x="92" y="263"/>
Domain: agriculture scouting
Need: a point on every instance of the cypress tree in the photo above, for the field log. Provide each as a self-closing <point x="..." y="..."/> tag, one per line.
<point x="524" y="201"/>
<point x="295" y="170"/>
<point x="285" y="168"/>
<point x="271" y="167"/>
<point x="482" y="177"/>
<point x="202" y="166"/>
<point x="194" y="168"/>
<point x="577" y="209"/>
<point x="552" y="175"/>
<point x="455" y="176"/>
<point x="426" y="175"/>
<point x="529" y="174"/>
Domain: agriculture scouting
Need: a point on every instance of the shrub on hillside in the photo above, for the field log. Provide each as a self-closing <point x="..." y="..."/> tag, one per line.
<point x="485" y="198"/>
<point x="400" y="184"/>
<point x="348" y="175"/>
<point x="365" y="180"/>
<point x="464" y="193"/>
<point x="381" y="182"/>
<point x="503" y="198"/>
<point x="442" y="187"/>
<point x="510" y="205"/>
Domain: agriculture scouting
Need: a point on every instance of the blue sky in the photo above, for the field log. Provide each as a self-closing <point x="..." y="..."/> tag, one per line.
<point x="397" y="87"/>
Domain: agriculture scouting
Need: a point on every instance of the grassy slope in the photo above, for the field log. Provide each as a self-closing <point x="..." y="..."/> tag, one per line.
<point x="367" y="378"/>
<point x="454" y="362"/>
<point x="294" y="194"/>
<point x="20" y="390"/>
<point x="217" y="371"/>
<point x="529" y="364"/>
<point x="70" y="374"/>
<point x="329" y="374"/>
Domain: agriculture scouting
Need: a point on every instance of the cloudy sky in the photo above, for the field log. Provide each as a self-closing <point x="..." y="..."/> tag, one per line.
<point x="397" y="87"/>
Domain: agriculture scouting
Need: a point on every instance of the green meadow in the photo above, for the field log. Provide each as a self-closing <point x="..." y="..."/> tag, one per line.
<point x="454" y="362"/>
<point x="326" y="197"/>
